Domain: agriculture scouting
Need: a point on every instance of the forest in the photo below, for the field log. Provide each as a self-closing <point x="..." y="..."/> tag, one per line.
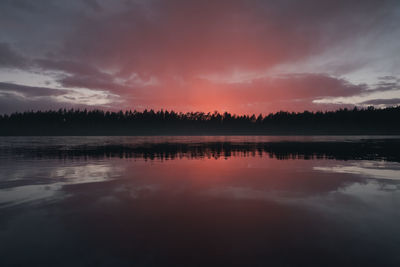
<point x="368" y="120"/>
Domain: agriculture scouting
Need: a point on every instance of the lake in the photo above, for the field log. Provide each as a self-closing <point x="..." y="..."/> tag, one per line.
<point x="200" y="201"/>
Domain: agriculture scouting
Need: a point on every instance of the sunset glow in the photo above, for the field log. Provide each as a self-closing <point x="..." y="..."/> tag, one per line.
<point x="236" y="56"/>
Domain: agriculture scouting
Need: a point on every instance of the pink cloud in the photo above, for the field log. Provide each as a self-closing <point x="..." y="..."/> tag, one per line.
<point x="156" y="54"/>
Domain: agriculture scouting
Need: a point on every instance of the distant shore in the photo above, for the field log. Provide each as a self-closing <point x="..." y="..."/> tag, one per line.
<point x="368" y="121"/>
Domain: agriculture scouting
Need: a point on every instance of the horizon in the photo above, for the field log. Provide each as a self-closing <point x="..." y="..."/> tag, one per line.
<point x="94" y="109"/>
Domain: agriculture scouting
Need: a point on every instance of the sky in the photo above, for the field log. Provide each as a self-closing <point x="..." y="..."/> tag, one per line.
<point x="240" y="56"/>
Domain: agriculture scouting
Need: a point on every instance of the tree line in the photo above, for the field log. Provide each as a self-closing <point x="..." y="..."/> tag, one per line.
<point x="368" y="120"/>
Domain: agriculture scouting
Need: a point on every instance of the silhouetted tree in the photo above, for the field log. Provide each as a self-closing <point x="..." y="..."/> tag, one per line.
<point x="95" y="122"/>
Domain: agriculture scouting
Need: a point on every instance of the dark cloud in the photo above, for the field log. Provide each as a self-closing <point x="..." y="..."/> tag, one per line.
<point x="93" y="4"/>
<point x="16" y="97"/>
<point x="10" y="58"/>
<point x="93" y="82"/>
<point x="387" y="102"/>
<point x="387" y="78"/>
<point x="68" y="66"/>
<point x="75" y="74"/>
<point x="188" y="37"/>
<point x="388" y="83"/>
<point x="30" y="91"/>
<point x="10" y="103"/>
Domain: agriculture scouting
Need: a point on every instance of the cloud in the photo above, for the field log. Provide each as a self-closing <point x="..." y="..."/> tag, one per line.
<point x="163" y="53"/>
<point x="9" y="58"/>
<point x="386" y="102"/>
<point x="30" y="91"/>
<point x="93" y="4"/>
<point x="293" y="92"/>
<point x="201" y="36"/>
<point x="68" y="66"/>
<point x="11" y="103"/>
<point x="75" y="74"/>
<point x="17" y="97"/>
<point x="387" y="83"/>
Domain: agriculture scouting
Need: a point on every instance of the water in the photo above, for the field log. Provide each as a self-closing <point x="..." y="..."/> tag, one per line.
<point x="199" y="201"/>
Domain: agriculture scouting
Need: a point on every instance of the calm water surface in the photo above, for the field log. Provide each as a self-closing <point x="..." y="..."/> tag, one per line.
<point x="205" y="204"/>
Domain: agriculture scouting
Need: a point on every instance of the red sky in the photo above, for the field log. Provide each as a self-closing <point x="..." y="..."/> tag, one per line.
<point x="228" y="55"/>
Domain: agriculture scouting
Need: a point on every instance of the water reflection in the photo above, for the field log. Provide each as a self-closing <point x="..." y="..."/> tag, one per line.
<point x="236" y="207"/>
<point x="371" y="169"/>
<point x="29" y="182"/>
<point x="344" y="149"/>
